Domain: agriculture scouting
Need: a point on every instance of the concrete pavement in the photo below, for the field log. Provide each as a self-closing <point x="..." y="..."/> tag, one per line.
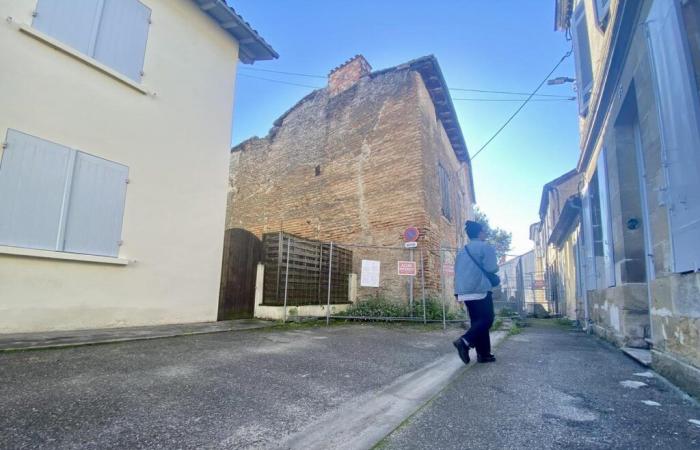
<point x="554" y="388"/>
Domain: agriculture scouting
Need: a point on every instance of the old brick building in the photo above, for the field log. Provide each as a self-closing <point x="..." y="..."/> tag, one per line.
<point x="359" y="161"/>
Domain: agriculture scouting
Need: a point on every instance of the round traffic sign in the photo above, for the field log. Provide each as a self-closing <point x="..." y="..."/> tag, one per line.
<point x="411" y="234"/>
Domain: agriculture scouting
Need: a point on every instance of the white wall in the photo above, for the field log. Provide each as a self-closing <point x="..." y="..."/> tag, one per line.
<point x="176" y="145"/>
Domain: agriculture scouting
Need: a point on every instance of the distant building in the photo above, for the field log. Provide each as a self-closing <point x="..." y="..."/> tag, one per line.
<point x="638" y="73"/>
<point x="553" y="262"/>
<point x="358" y="162"/>
<point x="115" y="123"/>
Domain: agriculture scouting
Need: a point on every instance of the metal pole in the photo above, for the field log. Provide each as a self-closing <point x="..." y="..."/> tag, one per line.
<point x="410" y="287"/>
<point x="330" y="272"/>
<point x="442" y="280"/>
<point x="286" y="280"/>
<point x="422" y="276"/>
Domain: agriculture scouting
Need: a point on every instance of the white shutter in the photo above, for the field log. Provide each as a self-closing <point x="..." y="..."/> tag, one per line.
<point x="584" y="72"/>
<point x="587" y="236"/>
<point x="605" y="219"/>
<point x="73" y="22"/>
<point x="34" y="174"/>
<point x="677" y="102"/>
<point x="121" y="41"/>
<point x="96" y="209"/>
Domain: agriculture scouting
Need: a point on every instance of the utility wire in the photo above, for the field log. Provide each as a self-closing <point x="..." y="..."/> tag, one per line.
<point x="509" y="93"/>
<point x="484" y="91"/>
<point x="565" y="99"/>
<point x="566" y="55"/>
<point x="279" y="81"/>
<point x="255" y="69"/>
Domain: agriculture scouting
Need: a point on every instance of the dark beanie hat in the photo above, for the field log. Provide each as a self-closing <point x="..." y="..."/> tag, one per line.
<point x="473" y="229"/>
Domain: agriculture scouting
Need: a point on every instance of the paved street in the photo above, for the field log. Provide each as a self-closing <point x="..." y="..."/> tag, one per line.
<point x="339" y="387"/>
<point x="245" y="389"/>
<point x="554" y="388"/>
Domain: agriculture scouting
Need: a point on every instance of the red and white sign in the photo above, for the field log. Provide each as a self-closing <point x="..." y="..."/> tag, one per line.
<point x="448" y="269"/>
<point x="407" y="268"/>
<point x="411" y="234"/>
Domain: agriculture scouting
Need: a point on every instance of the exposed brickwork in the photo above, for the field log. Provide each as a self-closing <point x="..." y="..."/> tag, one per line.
<point x="347" y="74"/>
<point x="377" y="146"/>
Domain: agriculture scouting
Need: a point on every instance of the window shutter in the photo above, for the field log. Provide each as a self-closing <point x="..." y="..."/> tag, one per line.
<point x="121" y="41"/>
<point x="34" y="175"/>
<point x="584" y="72"/>
<point x="587" y="235"/>
<point x="72" y="22"/>
<point x="676" y="97"/>
<point x="605" y="220"/>
<point x="96" y="210"/>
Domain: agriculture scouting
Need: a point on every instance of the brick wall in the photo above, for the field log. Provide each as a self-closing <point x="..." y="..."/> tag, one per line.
<point x="357" y="167"/>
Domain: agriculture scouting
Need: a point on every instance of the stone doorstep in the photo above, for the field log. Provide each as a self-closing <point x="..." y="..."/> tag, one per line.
<point x="73" y="338"/>
<point x="642" y="356"/>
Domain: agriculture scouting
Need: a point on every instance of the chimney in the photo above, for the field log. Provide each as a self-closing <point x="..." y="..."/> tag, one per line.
<point x="347" y="74"/>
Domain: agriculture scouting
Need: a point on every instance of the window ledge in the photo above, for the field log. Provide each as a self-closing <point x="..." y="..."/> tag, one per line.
<point x="60" y="46"/>
<point x="48" y="254"/>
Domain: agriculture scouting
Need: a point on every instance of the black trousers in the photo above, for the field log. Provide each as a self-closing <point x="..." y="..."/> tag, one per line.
<point x="481" y="316"/>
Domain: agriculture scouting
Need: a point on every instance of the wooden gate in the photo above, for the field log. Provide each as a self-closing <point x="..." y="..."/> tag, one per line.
<point x="242" y="253"/>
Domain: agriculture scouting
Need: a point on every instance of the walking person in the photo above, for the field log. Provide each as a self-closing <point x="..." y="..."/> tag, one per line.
<point x="475" y="277"/>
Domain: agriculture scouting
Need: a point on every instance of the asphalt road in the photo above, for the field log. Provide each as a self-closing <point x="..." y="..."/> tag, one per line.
<point x="554" y="388"/>
<point x="248" y="389"/>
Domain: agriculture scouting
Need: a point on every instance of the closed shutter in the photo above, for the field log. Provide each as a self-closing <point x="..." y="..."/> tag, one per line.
<point x="73" y="22"/>
<point x="587" y="236"/>
<point x="121" y="41"/>
<point x="605" y="220"/>
<point x="584" y="72"/>
<point x="94" y="219"/>
<point x="33" y="180"/>
<point x="676" y="97"/>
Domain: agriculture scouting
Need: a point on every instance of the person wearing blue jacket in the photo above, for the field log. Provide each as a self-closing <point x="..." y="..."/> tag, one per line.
<point x="474" y="290"/>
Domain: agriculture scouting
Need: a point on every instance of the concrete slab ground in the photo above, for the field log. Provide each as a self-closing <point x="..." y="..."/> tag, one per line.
<point x="555" y="388"/>
<point x="253" y="389"/>
<point x="56" y="339"/>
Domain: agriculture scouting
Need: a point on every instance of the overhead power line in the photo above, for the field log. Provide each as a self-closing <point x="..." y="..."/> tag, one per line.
<point x="297" y="74"/>
<point x="567" y="99"/>
<point x="566" y="55"/>
<point x="564" y="99"/>
<point x="279" y="81"/>
<point x="483" y="91"/>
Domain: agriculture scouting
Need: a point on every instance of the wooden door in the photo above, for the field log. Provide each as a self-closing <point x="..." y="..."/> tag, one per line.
<point x="242" y="253"/>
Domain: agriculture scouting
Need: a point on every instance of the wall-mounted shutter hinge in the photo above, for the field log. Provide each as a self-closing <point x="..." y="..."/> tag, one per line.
<point x="127" y="180"/>
<point x="120" y="243"/>
<point x="34" y="13"/>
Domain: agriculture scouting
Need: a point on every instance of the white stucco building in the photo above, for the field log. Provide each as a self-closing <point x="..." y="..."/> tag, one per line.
<point x="116" y="124"/>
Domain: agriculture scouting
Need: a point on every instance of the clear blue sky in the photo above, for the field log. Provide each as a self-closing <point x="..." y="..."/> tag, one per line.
<point x="505" y="45"/>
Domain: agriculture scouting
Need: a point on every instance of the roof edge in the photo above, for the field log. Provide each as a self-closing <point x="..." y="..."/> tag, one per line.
<point x="252" y="46"/>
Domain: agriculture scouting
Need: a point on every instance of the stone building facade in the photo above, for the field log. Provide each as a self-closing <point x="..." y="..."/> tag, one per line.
<point x="357" y="163"/>
<point x="638" y="66"/>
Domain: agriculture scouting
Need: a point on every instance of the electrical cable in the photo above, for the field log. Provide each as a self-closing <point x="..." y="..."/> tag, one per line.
<point x="565" y="99"/>
<point x="527" y="100"/>
<point x="483" y="91"/>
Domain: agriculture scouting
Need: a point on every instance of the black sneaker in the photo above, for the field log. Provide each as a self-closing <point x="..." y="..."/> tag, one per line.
<point x="486" y="358"/>
<point x="462" y="349"/>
